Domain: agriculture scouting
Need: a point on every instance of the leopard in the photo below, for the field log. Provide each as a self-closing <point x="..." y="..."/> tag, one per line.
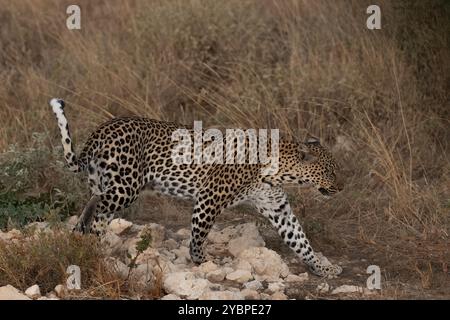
<point x="125" y="156"/>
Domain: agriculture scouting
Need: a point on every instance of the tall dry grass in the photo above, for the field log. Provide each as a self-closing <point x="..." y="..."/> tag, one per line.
<point x="380" y="97"/>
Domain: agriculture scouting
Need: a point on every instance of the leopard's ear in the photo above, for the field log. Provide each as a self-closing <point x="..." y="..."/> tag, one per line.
<point x="306" y="153"/>
<point x="312" y="140"/>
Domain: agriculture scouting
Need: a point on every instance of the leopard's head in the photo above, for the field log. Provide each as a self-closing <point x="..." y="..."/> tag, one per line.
<point x="311" y="164"/>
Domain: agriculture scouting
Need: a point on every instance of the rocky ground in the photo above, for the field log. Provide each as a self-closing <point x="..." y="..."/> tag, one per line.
<point x="239" y="266"/>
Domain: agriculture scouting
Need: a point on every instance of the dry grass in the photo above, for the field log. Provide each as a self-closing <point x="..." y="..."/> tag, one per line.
<point x="42" y="258"/>
<point x="45" y="258"/>
<point x="301" y="66"/>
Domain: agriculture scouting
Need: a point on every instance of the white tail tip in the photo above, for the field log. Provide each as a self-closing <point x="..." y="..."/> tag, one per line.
<point x="57" y="104"/>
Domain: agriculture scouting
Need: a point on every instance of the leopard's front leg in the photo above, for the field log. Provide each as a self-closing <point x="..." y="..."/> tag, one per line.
<point x="272" y="203"/>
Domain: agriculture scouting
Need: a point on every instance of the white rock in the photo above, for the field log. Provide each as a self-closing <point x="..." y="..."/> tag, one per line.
<point x="166" y="266"/>
<point x="184" y="233"/>
<point x="119" y="226"/>
<point x="8" y="292"/>
<point x="265" y="296"/>
<point x="149" y="255"/>
<point x="278" y="296"/>
<point x="33" y="292"/>
<point x="208" y="267"/>
<point x="117" y="266"/>
<point x="249" y="294"/>
<point x="158" y="233"/>
<point x="227" y="260"/>
<point x="266" y="263"/>
<point x="52" y="296"/>
<point x="143" y="270"/>
<point x="197" y="271"/>
<point x="60" y="290"/>
<point x="216" y="275"/>
<point x="185" y="285"/>
<point x="247" y="236"/>
<point x="151" y="266"/>
<point x="112" y="241"/>
<point x="323" y="287"/>
<point x="182" y="252"/>
<point x="182" y="268"/>
<point x="219" y="287"/>
<point x="46" y="298"/>
<point x="181" y="261"/>
<point x="302" y="277"/>
<point x="275" y="287"/>
<point x="221" y="295"/>
<point x="221" y="236"/>
<point x="347" y="289"/>
<point x="136" y="228"/>
<point x="253" y="285"/>
<point x="243" y="265"/>
<point x="170" y="244"/>
<point x="216" y="249"/>
<point x="240" y="276"/>
<point x="171" y="296"/>
<point x="228" y="270"/>
<point x="143" y="277"/>
<point x="183" y="255"/>
<point x="170" y="255"/>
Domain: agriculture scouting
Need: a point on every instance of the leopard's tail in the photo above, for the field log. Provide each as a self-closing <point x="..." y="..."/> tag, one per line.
<point x="71" y="158"/>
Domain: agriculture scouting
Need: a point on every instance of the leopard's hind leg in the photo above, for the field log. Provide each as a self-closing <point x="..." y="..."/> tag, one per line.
<point x="101" y="209"/>
<point x="88" y="213"/>
<point x="111" y="193"/>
